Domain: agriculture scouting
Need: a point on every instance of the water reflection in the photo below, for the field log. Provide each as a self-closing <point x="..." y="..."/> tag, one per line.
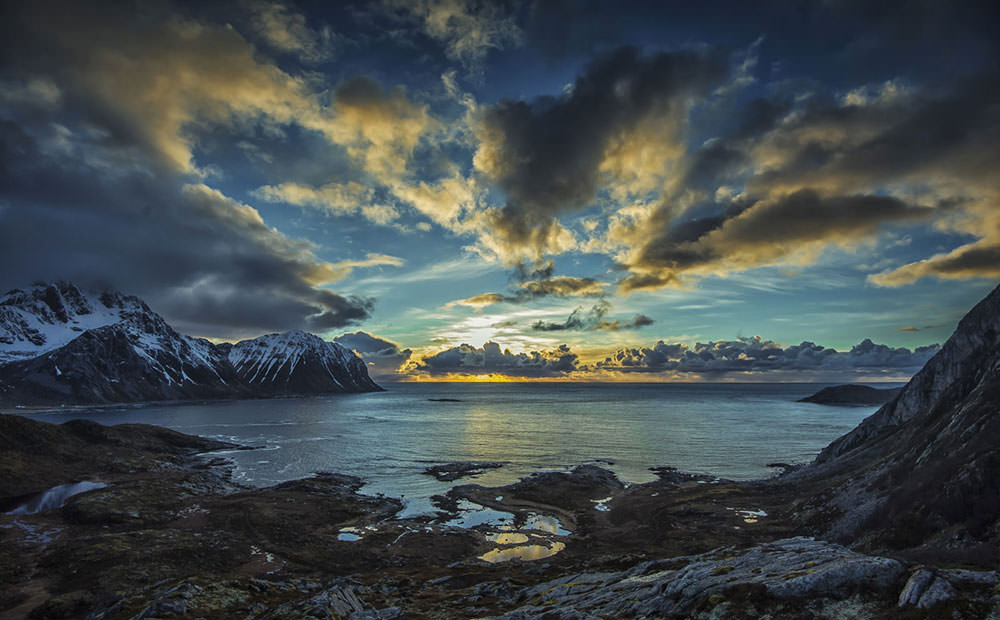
<point x="522" y="552"/>
<point x="507" y="538"/>
<point x="349" y="534"/>
<point x="541" y="523"/>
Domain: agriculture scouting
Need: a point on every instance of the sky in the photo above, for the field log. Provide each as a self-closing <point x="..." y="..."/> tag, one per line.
<point x="464" y="190"/>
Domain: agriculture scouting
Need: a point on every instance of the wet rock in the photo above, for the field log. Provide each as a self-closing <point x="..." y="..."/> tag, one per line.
<point x="453" y="471"/>
<point x="671" y="475"/>
<point x="445" y="503"/>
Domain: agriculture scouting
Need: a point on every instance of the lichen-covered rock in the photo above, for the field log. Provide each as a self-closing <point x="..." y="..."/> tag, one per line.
<point x="793" y="569"/>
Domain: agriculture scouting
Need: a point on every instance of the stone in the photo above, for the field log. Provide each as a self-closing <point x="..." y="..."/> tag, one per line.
<point x="939" y="591"/>
<point x="915" y="587"/>
<point x="792" y="569"/>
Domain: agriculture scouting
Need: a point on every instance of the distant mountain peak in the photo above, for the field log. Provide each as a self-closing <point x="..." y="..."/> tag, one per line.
<point x="47" y="316"/>
<point x="59" y="343"/>
<point x="296" y="361"/>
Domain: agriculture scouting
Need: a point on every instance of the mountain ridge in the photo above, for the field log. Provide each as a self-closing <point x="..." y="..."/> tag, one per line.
<point x="921" y="472"/>
<point x="62" y="345"/>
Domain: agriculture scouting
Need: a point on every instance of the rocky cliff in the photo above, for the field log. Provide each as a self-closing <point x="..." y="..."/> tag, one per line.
<point x="923" y="470"/>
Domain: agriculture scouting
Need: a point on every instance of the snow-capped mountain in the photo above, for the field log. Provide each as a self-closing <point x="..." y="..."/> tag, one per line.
<point x="296" y="362"/>
<point x="59" y="344"/>
<point x="47" y="316"/>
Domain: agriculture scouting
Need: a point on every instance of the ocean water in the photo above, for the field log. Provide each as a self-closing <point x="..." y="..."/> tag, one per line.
<point x="388" y="438"/>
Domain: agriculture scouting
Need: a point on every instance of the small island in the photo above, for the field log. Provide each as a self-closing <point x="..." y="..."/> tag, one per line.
<point x="852" y="395"/>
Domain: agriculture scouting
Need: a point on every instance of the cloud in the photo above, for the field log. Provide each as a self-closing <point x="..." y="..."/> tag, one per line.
<point x="101" y="135"/>
<point x="286" y="30"/>
<point x="466" y="360"/>
<point x="101" y="185"/>
<point x="232" y="275"/>
<point x="553" y="154"/>
<point x="469" y="29"/>
<point x="379" y="127"/>
<point x="804" y="169"/>
<point x="787" y="229"/>
<point x="480" y="301"/>
<point x="975" y="260"/>
<point x="593" y="320"/>
<point x="383" y="357"/>
<point x="147" y="78"/>
<point x="336" y="198"/>
<point x="908" y="329"/>
<point x="758" y="355"/>
<point x="556" y="286"/>
<point x="340" y="270"/>
<point x="157" y="82"/>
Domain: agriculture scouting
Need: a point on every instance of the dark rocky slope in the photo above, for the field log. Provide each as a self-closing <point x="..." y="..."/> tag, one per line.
<point x="35" y="456"/>
<point x="923" y="472"/>
<point x="852" y="395"/>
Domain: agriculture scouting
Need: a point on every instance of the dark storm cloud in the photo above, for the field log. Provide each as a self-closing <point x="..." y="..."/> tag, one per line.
<point x="918" y="37"/>
<point x="559" y="286"/>
<point x="593" y="320"/>
<point x="98" y="184"/>
<point x="537" y="282"/>
<point x="766" y="232"/>
<point x="818" y="165"/>
<point x="546" y="154"/>
<point x="758" y="355"/>
<point x="883" y="136"/>
<point x="207" y="263"/>
<point x="382" y="356"/>
<point x="490" y="359"/>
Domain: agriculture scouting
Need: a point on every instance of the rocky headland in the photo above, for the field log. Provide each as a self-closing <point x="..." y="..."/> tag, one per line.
<point x="896" y="519"/>
<point x="852" y="395"/>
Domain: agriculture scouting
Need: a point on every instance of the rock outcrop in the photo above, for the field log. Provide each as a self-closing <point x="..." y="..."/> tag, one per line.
<point x="782" y="577"/>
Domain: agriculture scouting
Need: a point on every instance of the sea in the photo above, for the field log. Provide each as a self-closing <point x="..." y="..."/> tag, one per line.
<point x="726" y="430"/>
